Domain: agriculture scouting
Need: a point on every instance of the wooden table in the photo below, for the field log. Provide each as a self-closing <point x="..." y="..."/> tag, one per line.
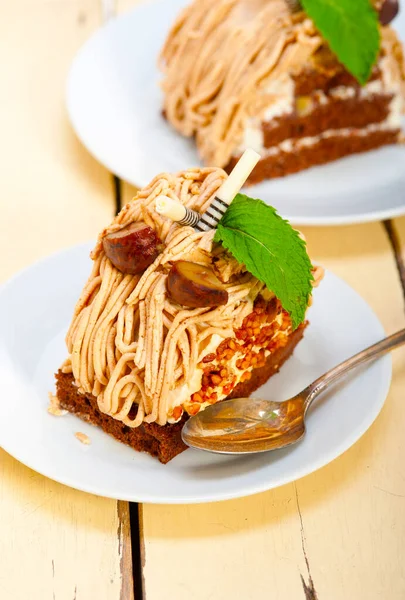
<point x="338" y="534"/>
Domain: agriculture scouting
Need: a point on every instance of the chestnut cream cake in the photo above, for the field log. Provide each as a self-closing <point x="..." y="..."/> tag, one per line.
<point x="171" y="320"/>
<point x="302" y="83"/>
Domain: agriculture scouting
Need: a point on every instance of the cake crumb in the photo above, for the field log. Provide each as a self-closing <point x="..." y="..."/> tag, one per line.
<point x="83" y="438"/>
<point x="66" y="366"/>
<point x="54" y="406"/>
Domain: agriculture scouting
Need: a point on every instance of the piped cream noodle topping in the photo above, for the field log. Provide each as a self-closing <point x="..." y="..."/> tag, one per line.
<point x="227" y="60"/>
<point x="130" y="344"/>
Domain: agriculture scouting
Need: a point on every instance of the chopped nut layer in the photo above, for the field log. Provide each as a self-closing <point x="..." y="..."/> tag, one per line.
<point x="263" y="331"/>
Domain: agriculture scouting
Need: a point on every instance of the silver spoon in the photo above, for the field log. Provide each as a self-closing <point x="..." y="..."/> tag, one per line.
<point x="248" y="425"/>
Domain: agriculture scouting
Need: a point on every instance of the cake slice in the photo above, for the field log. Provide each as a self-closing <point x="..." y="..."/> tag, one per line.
<point x="241" y="74"/>
<point x="170" y="321"/>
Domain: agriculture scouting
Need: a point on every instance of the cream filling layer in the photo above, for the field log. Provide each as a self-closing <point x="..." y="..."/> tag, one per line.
<point x="294" y="144"/>
<point x="392" y="122"/>
<point x="284" y="104"/>
<point x="181" y="394"/>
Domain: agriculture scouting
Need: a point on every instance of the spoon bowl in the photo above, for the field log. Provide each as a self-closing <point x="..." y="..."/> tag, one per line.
<point x="251" y="425"/>
<point x="246" y="425"/>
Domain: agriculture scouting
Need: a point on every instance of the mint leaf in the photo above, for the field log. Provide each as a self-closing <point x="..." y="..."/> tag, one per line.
<point x="271" y="250"/>
<point x="352" y="31"/>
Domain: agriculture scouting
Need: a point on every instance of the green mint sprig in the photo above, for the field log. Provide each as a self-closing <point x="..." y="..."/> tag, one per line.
<point x="271" y="250"/>
<point x="352" y="31"/>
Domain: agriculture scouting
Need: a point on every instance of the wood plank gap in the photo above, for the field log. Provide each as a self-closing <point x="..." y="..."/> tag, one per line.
<point x="125" y="551"/>
<point x="309" y="588"/>
<point x="117" y="193"/>
<point x="138" y="554"/>
<point x="393" y="238"/>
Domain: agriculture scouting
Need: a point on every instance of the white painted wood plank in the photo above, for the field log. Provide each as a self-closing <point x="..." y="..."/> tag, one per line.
<point x="352" y="511"/>
<point x="55" y="543"/>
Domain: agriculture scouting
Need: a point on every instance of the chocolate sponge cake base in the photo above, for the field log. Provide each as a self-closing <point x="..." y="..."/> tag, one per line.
<point x="337" y="114"/>
<point x="163" y="442"/>
<point x="324" y="151"/>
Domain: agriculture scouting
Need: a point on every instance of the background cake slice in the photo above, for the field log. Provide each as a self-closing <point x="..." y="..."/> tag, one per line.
<point x="241" y="74"/>
<point x="170" y="321"/>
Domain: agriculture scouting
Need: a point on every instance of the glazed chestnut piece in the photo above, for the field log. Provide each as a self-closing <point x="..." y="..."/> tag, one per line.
<point x="132" y="249"/>
<point x="294" y="5"/>
<point x="388" y="11"/>
<point x="195" y="286"/>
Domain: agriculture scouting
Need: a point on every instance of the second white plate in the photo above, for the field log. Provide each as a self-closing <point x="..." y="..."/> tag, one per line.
<point x="32" y="348"/>
<point x="115" y="105"/>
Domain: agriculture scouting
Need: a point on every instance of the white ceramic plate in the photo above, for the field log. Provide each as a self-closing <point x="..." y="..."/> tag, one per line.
<point x="35" y="310"/>
<point x="115" y="105"/>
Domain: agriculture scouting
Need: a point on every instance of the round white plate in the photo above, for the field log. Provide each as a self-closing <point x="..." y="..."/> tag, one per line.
<point x="35" y="311"/>
<point x="115" y="105"/>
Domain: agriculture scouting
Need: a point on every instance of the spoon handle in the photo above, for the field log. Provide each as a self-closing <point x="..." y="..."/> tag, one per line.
<point x="373" y="352"/>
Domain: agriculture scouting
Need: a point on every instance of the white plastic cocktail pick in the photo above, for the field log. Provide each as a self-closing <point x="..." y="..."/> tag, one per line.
<point x="176" y="211"/>
<point x="228" y="190"/>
